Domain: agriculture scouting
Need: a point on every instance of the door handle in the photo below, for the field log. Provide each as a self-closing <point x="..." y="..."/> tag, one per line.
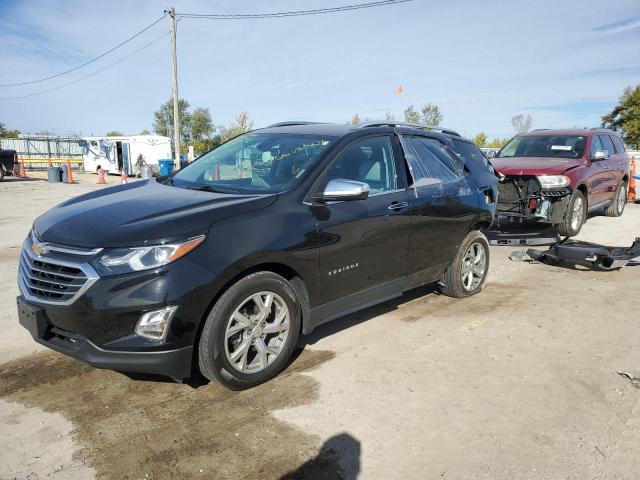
<point x="398" y="205"/>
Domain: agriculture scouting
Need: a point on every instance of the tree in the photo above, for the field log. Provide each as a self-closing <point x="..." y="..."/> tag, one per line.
<point x="411" y="115"/>
<point x="625" y="116"/>
<point x="431" y="115"/>
<point x="521" y="124"/>
<point x="163" y="120"/>
<point x="498" y="142"/>
<point x="240" y="125"/>
<point x="4" y="132"/>
<point x="201" y="124"/>
<point x="389" y="117"/>
<point x="114" y="133"/>
<point x="480" y="139"/>
<point x="145" y="132"/>
<point x="355" y="120"/>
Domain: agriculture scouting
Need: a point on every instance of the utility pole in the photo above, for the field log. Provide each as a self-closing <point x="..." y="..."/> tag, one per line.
<point x="176" y="116"/>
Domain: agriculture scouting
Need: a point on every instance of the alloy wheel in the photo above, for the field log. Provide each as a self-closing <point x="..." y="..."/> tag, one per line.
<point x="256" y="332"/>
<point x="621" y="199"/>
<point x="474" y="264"/>
<point x="577" y="214"/>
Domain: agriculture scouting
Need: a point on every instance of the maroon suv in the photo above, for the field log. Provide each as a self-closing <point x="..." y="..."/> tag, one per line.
<point x="557" y="176"/>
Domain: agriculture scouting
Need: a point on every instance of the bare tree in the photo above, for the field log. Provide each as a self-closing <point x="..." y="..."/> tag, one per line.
<point x="389" y="117"/>
<point x="355" y="120"/>
<point x="431" y="115"/>
<point x="240" y="125"/>
<point x="411" y="115"/>
<point x="521" y="124"/>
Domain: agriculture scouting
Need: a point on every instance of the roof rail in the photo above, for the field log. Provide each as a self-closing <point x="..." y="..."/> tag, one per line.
<point x="538" y="130"/>
<point x="392" y="123"/>
<point x="292" y="124"/>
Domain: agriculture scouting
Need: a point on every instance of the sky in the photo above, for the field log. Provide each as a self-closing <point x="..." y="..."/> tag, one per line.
<point x="564" y="62"/>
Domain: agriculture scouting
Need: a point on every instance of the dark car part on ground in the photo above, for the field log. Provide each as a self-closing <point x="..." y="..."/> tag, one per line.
<point x="221" y="265"/>
<point x="525" y="233"/>
<point x="572" y="253"/>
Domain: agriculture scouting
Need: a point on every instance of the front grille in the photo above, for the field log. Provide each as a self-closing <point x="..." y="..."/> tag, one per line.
<point x="58" y="277"/>
<point x="48" y="280"/>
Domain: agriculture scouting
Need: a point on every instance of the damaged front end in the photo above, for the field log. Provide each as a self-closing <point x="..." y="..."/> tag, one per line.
<point x="522" y="199"/>
<point x="528" y="209"/>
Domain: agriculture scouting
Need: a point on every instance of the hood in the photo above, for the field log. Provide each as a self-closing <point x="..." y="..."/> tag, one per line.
<point x="140" y="213"/>
<point x="534" y="165"/>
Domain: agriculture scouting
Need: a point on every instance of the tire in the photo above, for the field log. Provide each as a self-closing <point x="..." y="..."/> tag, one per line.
<point x="222" y="335"/>
<point x="1" y="174"/>
<point x="455" y="281"/>
<point x="575" y="215"/>
<point x="616" y="207"/>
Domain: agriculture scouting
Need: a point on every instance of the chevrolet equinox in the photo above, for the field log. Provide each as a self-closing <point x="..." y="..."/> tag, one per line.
<point x="222" y="265"/>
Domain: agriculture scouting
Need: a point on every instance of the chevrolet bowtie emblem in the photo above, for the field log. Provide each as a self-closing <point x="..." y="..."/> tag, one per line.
<point x="39" y="250"/>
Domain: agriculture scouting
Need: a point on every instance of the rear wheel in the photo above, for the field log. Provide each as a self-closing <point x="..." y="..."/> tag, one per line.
<point x="1" y="173"/>
<point x="468" y="271"/>
<point x="616" y="207"/>
<point x="575" y="215"/>
<point x="250" y="332"/>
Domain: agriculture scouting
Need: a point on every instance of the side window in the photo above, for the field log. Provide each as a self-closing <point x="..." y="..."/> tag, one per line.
<point x="472" y="155"/>
<point x="431" y="163"/>
<point x="369" y="160"/>
<point x="596" y="146"/>
<point x="617" y="143"/>
<point x="607" y="144"/>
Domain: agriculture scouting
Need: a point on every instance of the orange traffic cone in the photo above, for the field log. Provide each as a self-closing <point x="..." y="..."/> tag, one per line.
<point x="101" y="180"/>
<point x="69" y="173"/>
<point x="123" y="177"/>
<point x="631" y="194"/>
<point x="23" y="171"/>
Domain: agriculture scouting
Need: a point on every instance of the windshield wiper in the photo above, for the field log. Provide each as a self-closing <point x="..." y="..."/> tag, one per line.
<point x="209" y="188"/>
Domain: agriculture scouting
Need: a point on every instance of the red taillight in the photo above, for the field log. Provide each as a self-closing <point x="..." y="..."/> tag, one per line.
<point x="533" y="203"/>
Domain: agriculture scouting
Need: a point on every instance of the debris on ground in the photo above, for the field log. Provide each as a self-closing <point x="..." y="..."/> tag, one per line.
<point x="573" y="253"/>
<point x="633" y="376"/>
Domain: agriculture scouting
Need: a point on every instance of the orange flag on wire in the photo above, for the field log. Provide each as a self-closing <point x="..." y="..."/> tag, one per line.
<point x="399" y="89"/>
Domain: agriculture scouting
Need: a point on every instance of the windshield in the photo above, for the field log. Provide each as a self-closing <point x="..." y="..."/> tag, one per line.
<point x="562" y="146"/>
<point x="254" y="163"/>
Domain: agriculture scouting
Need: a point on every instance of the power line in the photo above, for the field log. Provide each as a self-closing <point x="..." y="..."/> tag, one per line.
<point x="91" y="74"/>
<point x="296" y="13"/>
<point x="85" y="63"/>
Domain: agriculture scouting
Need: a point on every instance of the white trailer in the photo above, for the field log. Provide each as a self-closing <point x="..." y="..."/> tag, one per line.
<point x="116" y="154"/>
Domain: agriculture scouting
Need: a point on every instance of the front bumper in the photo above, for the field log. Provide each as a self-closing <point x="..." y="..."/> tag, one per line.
<point x="174" y="363"/>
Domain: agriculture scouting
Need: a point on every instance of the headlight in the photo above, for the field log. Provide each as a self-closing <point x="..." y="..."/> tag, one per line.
<point x="124" y="260"/>
<point x="553" y="181"/>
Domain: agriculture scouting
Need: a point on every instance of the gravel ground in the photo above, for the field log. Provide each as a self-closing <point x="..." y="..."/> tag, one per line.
<point x="517" y="382"/>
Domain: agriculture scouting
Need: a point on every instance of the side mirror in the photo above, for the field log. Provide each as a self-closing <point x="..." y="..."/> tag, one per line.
<point x="600" y="155"/>
<point x="342" y="190"/>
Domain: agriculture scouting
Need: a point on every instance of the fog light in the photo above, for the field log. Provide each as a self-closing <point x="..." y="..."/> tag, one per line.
<point x="155" y="325"/>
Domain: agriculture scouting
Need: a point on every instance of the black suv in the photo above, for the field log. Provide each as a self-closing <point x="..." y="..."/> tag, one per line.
<point x="223" y="264"/>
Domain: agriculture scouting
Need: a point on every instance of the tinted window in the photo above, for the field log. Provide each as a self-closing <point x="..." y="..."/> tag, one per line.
<point x="472" y="154"/>
<point x="369" y="160"/>
<point x="596" y="146"/>
<point x="254" y="162"/>
<point x="431" y="162"/>
<point x="617" y="143"/>
<point x="563" y="146"/>
<point x="606" y="142"/>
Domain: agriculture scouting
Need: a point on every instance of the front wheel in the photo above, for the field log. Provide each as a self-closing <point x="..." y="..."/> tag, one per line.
<point x="616" y="207"/>
<point x="251" y="331"/>
<point x="468" y="271"/>
<point x="575" y="215"/>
